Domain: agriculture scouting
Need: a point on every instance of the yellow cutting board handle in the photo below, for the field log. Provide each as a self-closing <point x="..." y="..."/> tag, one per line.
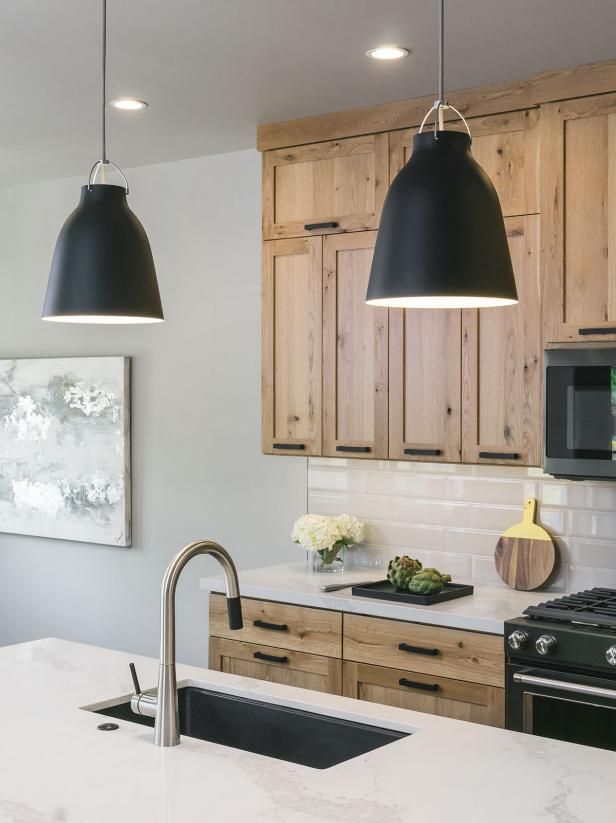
<point x="528" y="528"/>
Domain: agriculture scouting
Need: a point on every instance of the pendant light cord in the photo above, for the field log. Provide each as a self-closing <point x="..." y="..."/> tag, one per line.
<point x="104" y="100"/>
<point x="441" y="51"/>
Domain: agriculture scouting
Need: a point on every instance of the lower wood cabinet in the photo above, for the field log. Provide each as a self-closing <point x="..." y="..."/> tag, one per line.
<point x="291" y="668"/>
<point x="442" y="671"/>
<point x="458" y="699"/>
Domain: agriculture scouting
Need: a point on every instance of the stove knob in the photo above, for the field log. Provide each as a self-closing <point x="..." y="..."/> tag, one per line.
<point x="545" y="644"/>
<point x="610" y="655"/>
<point x="517" y="640"/>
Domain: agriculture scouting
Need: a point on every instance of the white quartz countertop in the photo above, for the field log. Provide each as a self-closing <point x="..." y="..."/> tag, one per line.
<point x="485" y="611"/>
<point x="55" y="767"/>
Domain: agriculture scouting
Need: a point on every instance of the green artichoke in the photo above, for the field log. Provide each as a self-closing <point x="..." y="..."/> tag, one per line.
<point x="428" y="581"/>
<point x="401" y="570"/>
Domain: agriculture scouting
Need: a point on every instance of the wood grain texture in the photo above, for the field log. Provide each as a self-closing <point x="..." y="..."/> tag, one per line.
<point x="316" y="631"/>
<point x="339" y="181"/>
<point x="502" y="356"/>
<point x="525" y="554"/>
<point x="462" y="655"/>
<point x="355" y="351"/>
<point x="577" y="81"/>
<point x="457" y="699"/>
<point x="578" y="192"/>
<point x="424" y="380"/>
<point x="306" y="671"/>
<point x="292" y="345"/>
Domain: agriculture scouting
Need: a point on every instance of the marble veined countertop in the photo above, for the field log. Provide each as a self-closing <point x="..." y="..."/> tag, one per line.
<point x="485" y="611"/>
<point x="55" y="767"/>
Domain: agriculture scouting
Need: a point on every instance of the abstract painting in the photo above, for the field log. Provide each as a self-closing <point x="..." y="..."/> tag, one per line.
<point x="65" y="448"/>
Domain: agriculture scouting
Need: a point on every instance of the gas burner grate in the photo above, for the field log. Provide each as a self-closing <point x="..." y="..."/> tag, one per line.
<point x="596" y="607"/>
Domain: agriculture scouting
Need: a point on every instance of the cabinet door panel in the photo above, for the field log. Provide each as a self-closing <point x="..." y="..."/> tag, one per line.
<point x="507" y="148"/>
<point x="291" y="668"/>
<point x="502" y="356"/>
<point x="424" y="381"/>
<point x="355" y="341"/>
<point x="445" y="697"/>
<point x="340" y="182"/>
<point x="579" y="218"/>
<point x="291" y="342"/>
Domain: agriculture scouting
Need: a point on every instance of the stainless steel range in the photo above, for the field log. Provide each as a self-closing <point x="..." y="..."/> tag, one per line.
<point x="561" y="669"/>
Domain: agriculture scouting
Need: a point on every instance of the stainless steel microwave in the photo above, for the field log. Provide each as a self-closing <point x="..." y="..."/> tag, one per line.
<point x="580" y="413"/>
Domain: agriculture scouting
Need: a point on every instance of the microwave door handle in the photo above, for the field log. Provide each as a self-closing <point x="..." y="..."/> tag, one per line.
<point x="562" y="685"/>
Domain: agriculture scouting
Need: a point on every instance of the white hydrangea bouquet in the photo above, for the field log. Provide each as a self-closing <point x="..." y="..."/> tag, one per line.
<point x="327" y="537"/>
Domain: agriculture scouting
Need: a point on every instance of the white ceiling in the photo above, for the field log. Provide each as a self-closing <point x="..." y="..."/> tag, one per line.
<point x="212" y="69"/>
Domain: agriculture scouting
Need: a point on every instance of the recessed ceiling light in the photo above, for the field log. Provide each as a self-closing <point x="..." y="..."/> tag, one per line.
<point x="128" y="104"/>
<point x="388" y="52"/>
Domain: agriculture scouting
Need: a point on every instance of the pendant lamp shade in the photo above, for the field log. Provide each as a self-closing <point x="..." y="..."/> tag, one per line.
<point x="102" y="269"/>
<point x="441" y="241"/>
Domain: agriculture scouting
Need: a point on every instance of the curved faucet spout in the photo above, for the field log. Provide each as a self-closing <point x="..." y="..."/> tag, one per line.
<point x="166" y="727"/>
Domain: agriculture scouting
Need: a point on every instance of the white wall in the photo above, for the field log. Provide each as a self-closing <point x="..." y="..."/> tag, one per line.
<point x="197" y="467"/>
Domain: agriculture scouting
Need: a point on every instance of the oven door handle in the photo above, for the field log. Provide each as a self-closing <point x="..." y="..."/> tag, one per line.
<point x="562" y="685"/>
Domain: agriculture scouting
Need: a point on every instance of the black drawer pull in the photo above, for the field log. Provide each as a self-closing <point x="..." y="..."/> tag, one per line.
<point x="424" y="452"/>
<point x="413" y="684"/>
<point x="273" y="627"/>
<point x="271" y="658"/>
<point x="600" y="330"/>
<point x="404" y="647"/>
<point x="330" y="224"/>
<point x="294" y="446"/>
<point x="359" y="449"/>
<point x="500" y="455"/>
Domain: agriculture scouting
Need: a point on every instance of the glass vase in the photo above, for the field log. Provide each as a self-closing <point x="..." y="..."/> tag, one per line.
<point x="328" y="560"/>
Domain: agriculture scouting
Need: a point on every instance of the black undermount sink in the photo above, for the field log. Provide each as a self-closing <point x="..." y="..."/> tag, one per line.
<point x="275" y="731"/>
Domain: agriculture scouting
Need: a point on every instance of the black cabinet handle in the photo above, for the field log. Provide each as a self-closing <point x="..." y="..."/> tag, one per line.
<point x="500" y="455"/>
<point x="404" y="647"/>
<point x="294" y="446"/>
<point x="359" y="449"/>
<point x="329" y="224"/>
<point x="273" y="627"/>
<point x="413" y="684"/>
<point x="424" y="452"/>
<point x="600" y="330"/>
<point x="271" y="658"/>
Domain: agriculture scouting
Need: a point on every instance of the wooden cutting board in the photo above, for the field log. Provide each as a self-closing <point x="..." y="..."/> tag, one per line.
<point x="525" y="554"/>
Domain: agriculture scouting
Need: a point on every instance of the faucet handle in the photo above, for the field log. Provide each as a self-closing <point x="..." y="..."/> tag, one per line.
<point x="133" y="674"/>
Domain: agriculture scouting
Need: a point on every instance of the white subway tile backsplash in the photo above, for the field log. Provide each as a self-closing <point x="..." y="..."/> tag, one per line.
<point x="450" y="516"/>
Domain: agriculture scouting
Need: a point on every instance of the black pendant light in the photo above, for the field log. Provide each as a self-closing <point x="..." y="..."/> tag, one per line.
<point x="102" y="269"/>
<point x="441" y="241"/>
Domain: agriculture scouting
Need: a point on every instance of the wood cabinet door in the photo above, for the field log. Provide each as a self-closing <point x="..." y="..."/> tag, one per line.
<point x="578" y="213"/>
<point x="418" y="692"/>
<point x="502" y="364"/>
<point x="291" y="346"/>
<point x="506" y="146"/>
<point x="355" y="350"/>
<point x="325" y="188"/>
<point x="291" y="668"/>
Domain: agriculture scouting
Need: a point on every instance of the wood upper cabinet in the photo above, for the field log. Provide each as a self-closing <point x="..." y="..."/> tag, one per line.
<point x="292" y="346"/>
<point x="339" y="184"/>
<point x="355" y="346"/>
<point x="501" y="364"/>
<point x="505" y="145"/>
<point x="424" y="384"/>
<point x="579" y="218"/>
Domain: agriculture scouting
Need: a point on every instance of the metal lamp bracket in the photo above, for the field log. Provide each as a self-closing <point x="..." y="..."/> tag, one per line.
<point x="99" y="166"/>
<point x="438" y="108"/>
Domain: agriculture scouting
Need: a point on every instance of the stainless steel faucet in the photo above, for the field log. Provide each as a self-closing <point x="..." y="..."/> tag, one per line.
<point x="163" y="706"/>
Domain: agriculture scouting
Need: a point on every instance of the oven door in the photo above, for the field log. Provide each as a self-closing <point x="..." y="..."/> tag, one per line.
<point x="562" y="706"/>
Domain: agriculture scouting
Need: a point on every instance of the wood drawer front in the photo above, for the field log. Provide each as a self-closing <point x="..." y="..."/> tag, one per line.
<point x="286" y="627"/>
<point x="459" y="654"/>
<point x="325" y="188"/>
<point x="291" y="668"/>
<point x="445" y="697"/>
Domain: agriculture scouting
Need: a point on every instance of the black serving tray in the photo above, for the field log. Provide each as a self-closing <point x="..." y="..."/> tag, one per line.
<point x="383" y="590"/>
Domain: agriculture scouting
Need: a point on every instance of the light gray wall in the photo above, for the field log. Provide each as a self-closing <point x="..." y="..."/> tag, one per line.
<point x="197" y="467"/>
